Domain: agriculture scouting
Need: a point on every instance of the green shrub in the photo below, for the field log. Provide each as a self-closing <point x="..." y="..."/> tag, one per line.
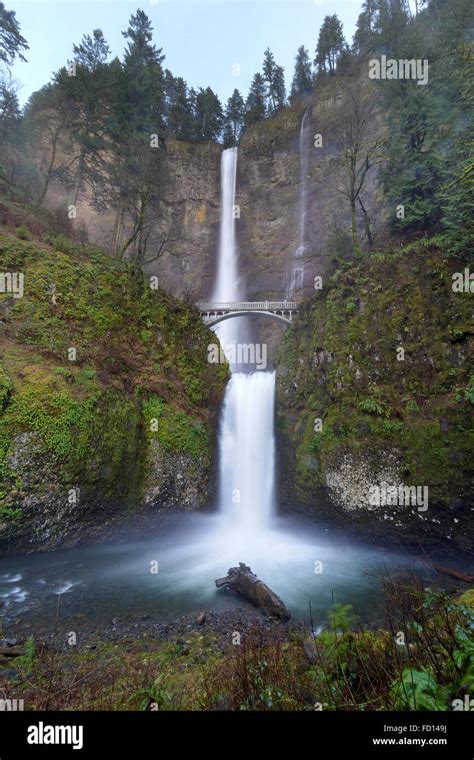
<point x="467" y="393"/>
<point x="374" y="406"/>
<point x="23" y="233"/>
<point x="5" y="388"/>
<point x="419" y="690"/>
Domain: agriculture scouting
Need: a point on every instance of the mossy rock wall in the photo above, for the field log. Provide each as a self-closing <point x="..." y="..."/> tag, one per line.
<point x="388" y="417"/>
<point x="108" y="404"/>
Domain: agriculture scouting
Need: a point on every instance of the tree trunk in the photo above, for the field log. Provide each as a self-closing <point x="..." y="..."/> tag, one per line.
<point x="368" y="231"/>
<point x="355" y="239"/>
<point x="77" y="185"/>
<point x="49" y="169"/>
<point x="117" y="228"/>
<point x="246" y="583"/>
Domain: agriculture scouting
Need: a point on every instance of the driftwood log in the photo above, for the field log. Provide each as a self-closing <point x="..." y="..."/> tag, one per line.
<point x="11" y="652"/>
<point x="244" y="582"/>
<point x="447" y="570"/>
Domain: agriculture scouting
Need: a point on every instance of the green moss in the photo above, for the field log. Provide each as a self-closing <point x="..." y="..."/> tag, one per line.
<point x="5" y="387"/>
<point x="175" y="430"/>
<point x="56" y="417"/>
<point x="137" y="349"/>
<point x="467" y="598"/>
<point x="342" y="366"/>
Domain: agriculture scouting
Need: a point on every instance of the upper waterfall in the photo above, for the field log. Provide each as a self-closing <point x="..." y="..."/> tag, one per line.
<point x="226" y="286"/>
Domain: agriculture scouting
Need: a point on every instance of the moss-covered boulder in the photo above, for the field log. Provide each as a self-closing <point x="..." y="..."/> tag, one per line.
<point x="375" y="393"/>
<point x="107" y="399"/>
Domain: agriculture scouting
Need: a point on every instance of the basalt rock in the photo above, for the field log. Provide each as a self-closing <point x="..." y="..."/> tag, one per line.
<point x="244" y="582"/>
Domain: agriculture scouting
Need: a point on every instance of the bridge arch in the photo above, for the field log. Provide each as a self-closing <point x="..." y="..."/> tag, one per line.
<point x="212" y="313"/>
<point x="215" y="319"/>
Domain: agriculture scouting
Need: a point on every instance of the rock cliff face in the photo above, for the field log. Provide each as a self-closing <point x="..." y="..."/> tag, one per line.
<point x="190" y="220"/>
<point x="268" y="197"/>
<point x="375" y="396"/>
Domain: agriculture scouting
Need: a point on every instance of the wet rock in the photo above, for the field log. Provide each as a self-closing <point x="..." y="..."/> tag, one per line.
<point x="8" y="673"/>
<point x="223" y="703"/>
<point x="201" y="618"/>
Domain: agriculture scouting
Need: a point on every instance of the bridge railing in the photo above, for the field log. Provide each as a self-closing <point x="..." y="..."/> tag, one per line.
<point x="247" y="305"/>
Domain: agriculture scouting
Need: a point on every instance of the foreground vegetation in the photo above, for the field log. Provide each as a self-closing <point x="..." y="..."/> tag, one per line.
<point x="420" y="658"/>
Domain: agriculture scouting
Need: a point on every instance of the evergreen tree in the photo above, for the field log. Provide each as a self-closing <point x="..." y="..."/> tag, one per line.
<point x="86" y="94"/>
<point x="453" y="78"/>
<point x="413" y="169"/>
<point x="9" y="108"/>
<point x="208" y="116"/>
<point x="255" y="108"/>
<point x="279" y="88"/>
<point x="302" y="78"/>
<point x="366" y="25"/>
<point x="92" y="52"/>
<point x="390" y="24"/>
<point x="10" y="132"/>
<point x="179" y="112"/>
<point x="331" y="43"/>
<point x="427" y="171"/>
<point x="140" y="49"/>
<point x="274" y="78"/>
<point x="456" y="197"/>
<point x="136" y="166"/>
<point x="144" y="76"/>
<point x="234" y="119"/>
<point x="12" y="44"/>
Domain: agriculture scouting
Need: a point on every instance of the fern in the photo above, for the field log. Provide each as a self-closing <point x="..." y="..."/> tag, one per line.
<point x="419" y="690"/>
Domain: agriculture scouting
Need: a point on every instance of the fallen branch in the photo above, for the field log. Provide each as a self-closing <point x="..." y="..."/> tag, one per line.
<point x="460" y="576"/>
<point x="11" y="652"/>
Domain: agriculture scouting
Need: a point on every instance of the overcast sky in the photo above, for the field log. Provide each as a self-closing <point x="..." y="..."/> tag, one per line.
<point x="201" y="40"/>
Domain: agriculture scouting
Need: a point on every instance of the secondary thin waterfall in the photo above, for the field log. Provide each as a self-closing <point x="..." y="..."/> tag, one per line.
<point x="246" y="440"/>
<point x="296" y="280"/>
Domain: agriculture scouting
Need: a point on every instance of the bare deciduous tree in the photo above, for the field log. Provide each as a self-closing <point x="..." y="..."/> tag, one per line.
<point x="359" y="138"/>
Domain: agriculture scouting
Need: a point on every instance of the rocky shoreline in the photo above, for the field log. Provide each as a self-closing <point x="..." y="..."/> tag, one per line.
<point x="222" y="625"/>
